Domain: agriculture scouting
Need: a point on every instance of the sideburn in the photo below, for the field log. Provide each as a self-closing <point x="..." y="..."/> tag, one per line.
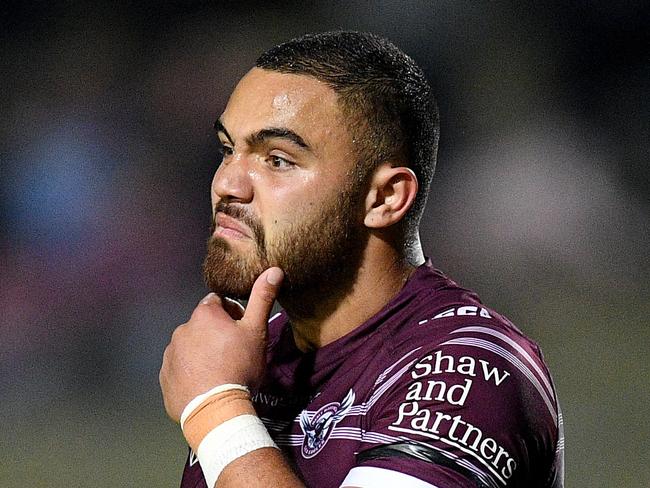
<point x="325" y="256"/>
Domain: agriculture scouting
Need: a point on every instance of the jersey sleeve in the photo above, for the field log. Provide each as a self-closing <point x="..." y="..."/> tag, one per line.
<point x="478" y="409"/>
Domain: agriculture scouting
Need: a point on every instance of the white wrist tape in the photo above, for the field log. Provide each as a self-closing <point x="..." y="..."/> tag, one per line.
<point x="196" y="401"/>
<point x="231" y="440"/>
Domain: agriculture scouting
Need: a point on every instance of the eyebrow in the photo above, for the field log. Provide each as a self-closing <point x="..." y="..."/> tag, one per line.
<point x="265" y="134"/>
<point x="218" y="127"/>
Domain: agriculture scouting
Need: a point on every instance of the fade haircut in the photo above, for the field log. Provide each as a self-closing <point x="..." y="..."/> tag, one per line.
<point x="393" y="116"/>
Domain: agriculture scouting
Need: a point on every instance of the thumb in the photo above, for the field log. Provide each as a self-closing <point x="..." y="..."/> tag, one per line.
<point x="263" y="295"/>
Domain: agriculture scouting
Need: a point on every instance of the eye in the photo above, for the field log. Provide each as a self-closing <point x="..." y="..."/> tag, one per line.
<point x="279" y="162"/>
<point x="225" y="151"/>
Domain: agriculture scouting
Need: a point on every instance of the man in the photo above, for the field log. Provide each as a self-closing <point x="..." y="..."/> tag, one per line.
<point x="380" y="371"/>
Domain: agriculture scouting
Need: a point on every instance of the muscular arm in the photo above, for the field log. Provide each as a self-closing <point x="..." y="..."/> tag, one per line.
<point x="261" y="468"/>
<point x="222" y="345"/>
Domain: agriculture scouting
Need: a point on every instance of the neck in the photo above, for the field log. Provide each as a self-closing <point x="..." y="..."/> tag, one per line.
<point x="382" y="273"/>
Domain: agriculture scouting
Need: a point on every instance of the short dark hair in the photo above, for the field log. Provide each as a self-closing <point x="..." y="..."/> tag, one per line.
<point x="382" y="90"/>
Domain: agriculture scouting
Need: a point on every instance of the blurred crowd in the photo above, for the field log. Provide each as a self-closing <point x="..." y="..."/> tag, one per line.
<point x="541" y="199"/>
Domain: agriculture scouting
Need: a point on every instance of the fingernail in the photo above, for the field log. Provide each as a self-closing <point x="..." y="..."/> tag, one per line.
<point x="274" y="276"/>
<point x="208" y="298"/>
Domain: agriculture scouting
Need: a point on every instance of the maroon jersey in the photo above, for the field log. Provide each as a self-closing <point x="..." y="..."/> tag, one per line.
<point x="436" y="390"/>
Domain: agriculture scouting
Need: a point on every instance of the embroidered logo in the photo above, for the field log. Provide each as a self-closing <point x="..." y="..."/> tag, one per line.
<point x="318" y="428"/>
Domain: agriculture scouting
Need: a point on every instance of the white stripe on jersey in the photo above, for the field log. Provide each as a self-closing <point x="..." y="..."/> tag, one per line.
<point x="383" y="375"/>
<point x="512" y="359"/>
<point x="560" y="441"/>
<point x="390" y="382"/>
<point x="451" y="443"/>
<point x="362" y="408"/>
<point x="372" y="477"/>
<point x="380" y="438"/>
<point x="357" y="434"/>
<point x="517" y="347"/>
<point x="289" y="439"/>
<point x="349" y="433"/>
<point x="274" y="317"/>
<point x="278" y="425"/>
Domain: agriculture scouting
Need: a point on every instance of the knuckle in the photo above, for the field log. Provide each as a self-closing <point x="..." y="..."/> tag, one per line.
<point x="204" y="310"/>
<point x="197" y="313"/>
<point x="178" y="331"/>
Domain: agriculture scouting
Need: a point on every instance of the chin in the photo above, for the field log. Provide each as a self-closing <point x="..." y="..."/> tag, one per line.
<point x="228" y="272"/>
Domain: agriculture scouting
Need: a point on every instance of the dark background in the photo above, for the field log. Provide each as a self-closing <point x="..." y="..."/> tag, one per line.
<point x="540" y="203"/>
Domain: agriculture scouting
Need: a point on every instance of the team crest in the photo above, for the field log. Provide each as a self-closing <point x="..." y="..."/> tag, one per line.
<point x="318" y="428"/>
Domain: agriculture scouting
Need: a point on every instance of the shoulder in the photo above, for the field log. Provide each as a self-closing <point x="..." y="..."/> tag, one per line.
<point x="450" y="336"/>
<point x="440" y="313"/>
<point x="463" y="379"/>
<point x="435" y="310"/>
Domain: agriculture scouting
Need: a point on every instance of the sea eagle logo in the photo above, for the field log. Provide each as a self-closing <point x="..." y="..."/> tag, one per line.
<point x="318" y="428"/>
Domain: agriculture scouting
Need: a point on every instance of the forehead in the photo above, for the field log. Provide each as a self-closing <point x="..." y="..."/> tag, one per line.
<point x="264" y="99"/>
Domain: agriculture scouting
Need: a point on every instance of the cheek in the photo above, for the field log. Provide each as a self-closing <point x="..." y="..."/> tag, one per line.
<point x="289" y="200"/>
<point x="254" y="175"/>
<point x="213" y="193"/>
<point x="288" y="214"/>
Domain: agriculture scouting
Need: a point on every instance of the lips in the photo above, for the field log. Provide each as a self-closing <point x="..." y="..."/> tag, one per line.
<point x="227" y="226"/>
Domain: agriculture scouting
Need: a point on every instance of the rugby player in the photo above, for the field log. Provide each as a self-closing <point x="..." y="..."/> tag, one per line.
<point x="380" y="371"/>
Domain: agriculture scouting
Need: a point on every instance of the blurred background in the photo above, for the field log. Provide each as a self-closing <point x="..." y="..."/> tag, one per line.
<point x="541" y="203"/>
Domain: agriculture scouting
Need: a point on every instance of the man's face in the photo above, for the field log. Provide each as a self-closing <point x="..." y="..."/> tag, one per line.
<point x="287" y="193"/>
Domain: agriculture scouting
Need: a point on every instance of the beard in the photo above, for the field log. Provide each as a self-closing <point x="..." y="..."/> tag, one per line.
<point x="320" y="254"/>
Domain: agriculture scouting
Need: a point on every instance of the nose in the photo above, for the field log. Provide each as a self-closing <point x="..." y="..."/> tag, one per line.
<point x="232" y="181"/>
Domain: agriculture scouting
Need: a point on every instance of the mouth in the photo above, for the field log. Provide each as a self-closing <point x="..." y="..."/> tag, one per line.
<point x="231" y="228"/>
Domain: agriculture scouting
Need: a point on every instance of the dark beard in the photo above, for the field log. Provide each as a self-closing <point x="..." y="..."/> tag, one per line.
<point x="224" y="271"/>
<point x="320" y="257"/>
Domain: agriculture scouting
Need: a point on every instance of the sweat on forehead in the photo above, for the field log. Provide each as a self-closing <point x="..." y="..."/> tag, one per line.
<point x="268" y="103"/>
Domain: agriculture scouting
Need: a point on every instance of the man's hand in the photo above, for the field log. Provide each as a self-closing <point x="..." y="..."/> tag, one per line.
<point x="222" y="343"/>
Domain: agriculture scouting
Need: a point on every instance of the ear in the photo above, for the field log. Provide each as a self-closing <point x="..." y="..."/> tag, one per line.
<point x="391" y="194"/>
